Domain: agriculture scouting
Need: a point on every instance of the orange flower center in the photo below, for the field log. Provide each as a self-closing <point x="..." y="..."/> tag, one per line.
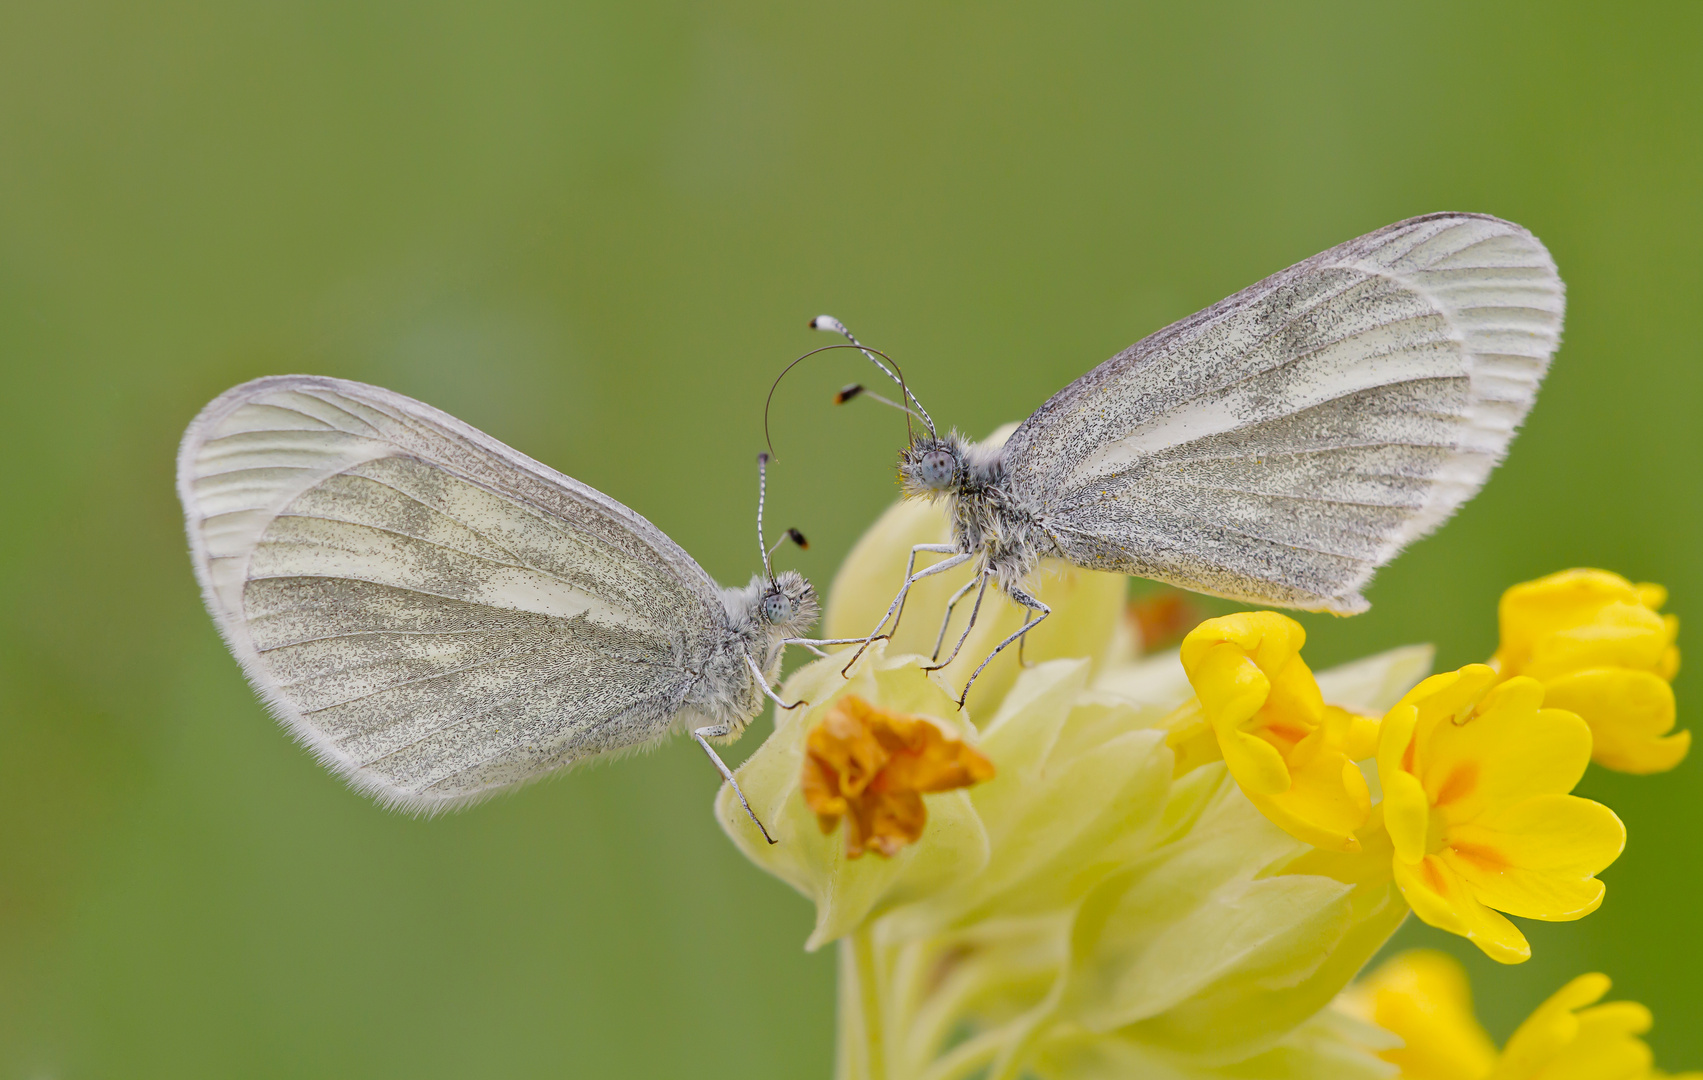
<point x="872" y="768"/>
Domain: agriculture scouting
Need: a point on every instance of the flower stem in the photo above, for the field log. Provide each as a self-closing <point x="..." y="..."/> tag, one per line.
<point x="869" y="997"/>
<point x="861" y="1041"/>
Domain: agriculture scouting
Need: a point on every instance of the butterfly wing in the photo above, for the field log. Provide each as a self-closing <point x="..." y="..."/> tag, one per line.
<point x="436" y="615"/>
<point x="1283" y="444"/>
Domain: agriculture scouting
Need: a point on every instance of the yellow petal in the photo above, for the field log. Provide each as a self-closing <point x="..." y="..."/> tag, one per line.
<point x="1630" y="714"/>
<point x="1361" y="739"/>
<point x="1424" y="997"/>
<point x="1668" y="666"/>
<point x="1326" y="804"/>
<point x="1569" y="1037"/>
<point x="1270" y="640"/>
<point x="1607" y="1046"/>
<point x="1449" y="697"/>
<point x="1538" y="860"/>
<point x="1549" y="1030"/>
<point x="1532" y="610"/>
<point x="1510" y="752"/>
<point x="1257" y="765"/>
<point x="1192" y="740"/>
<point x="1583" y="619"/>
<point x="1623" y="636"/>
<point x="1439" y="897"/>
<point x="1406" y="809"/>
<point x="1232" y="689"/>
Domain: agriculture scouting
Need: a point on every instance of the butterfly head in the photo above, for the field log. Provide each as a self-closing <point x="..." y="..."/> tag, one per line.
<point x="931" y="466"/>
<point x="789" y="603"/>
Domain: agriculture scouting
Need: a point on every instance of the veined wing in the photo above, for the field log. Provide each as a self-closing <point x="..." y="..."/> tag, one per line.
<point x="435" y="614"/>
<point x="1283" y="444"/>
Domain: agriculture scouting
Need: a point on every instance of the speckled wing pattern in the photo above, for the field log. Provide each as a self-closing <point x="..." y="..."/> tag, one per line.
<point x="1283" y="444"/>
<point x="435" y="614"/>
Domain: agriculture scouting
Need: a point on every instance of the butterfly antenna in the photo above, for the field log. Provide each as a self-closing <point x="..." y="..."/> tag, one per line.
<point x="866" y="350"/>
<point x="791" y="534"/>
<point x="762" y="489"/>
<point x="846" y="393"/>
<point x="834" y="326"/>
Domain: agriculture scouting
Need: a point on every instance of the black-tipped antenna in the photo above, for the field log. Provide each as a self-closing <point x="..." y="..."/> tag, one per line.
<point x="832" y="325"/>
<point x="846" y="393"/>
<point x="762" y="489"/>
<point x="791" y="534"/>
<point x="866" y="350"/>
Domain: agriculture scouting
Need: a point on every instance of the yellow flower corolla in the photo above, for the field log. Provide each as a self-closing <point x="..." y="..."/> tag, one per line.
<point x="1602" y="649"/>
<point x="1293" y="755"/>
<point x="1422" y="997"/>
<point x="872" y="767"/>
<point x="1476" y="775"/>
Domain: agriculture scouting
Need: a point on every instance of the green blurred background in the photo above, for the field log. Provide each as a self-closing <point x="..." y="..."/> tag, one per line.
<point x="597" y="232"/>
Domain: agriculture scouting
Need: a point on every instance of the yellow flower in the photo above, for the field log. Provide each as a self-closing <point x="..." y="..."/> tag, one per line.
<point x="1601" y="648"/>
<point x="1291" y="753"/>
<point x="1169" y="865"/>
<point x="1078" y="912"/>
<point x="1476" y="776"/>
<point x="1423" y="998"/>
<point x="1086" y="911"/>
<point x="872" y="767"/>
<point x="848" y="891"/>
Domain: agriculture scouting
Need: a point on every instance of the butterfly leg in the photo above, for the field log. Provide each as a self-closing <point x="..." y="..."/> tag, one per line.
<point x="951" y="605"/>
<point x="814" y="644"/>
<point x="971" y="625"/>
<point x="763" y="681"/>
<point x="1028" y="624"/>
<point x="896" y="609"/>
<point x="703" y="735"/>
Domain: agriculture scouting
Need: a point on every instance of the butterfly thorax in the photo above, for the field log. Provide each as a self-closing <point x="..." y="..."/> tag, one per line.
<point x="986" y="518"/>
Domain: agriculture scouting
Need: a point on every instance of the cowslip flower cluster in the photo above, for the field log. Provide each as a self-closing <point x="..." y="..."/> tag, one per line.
<point x="1423" y="998"/>
<point x="1114" y="864"/>
<point x="1476" y="817"/>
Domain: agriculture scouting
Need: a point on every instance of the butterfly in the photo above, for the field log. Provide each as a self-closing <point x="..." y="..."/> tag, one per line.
<point x="1275" y="448"/>
<point x="439" y="617"/>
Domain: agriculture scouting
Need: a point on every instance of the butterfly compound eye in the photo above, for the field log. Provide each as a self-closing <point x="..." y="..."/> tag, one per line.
<point x="937" y="469"/>
<point x="777" y="607"/>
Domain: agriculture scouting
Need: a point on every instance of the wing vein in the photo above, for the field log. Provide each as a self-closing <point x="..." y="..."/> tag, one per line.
<point x="1296" y="498"/>
<point x="419" y="539"/>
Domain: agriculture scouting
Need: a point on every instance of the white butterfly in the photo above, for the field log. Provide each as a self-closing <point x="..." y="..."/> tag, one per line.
<point x="438" y="616"/>
<point x="1276" y="448"/>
